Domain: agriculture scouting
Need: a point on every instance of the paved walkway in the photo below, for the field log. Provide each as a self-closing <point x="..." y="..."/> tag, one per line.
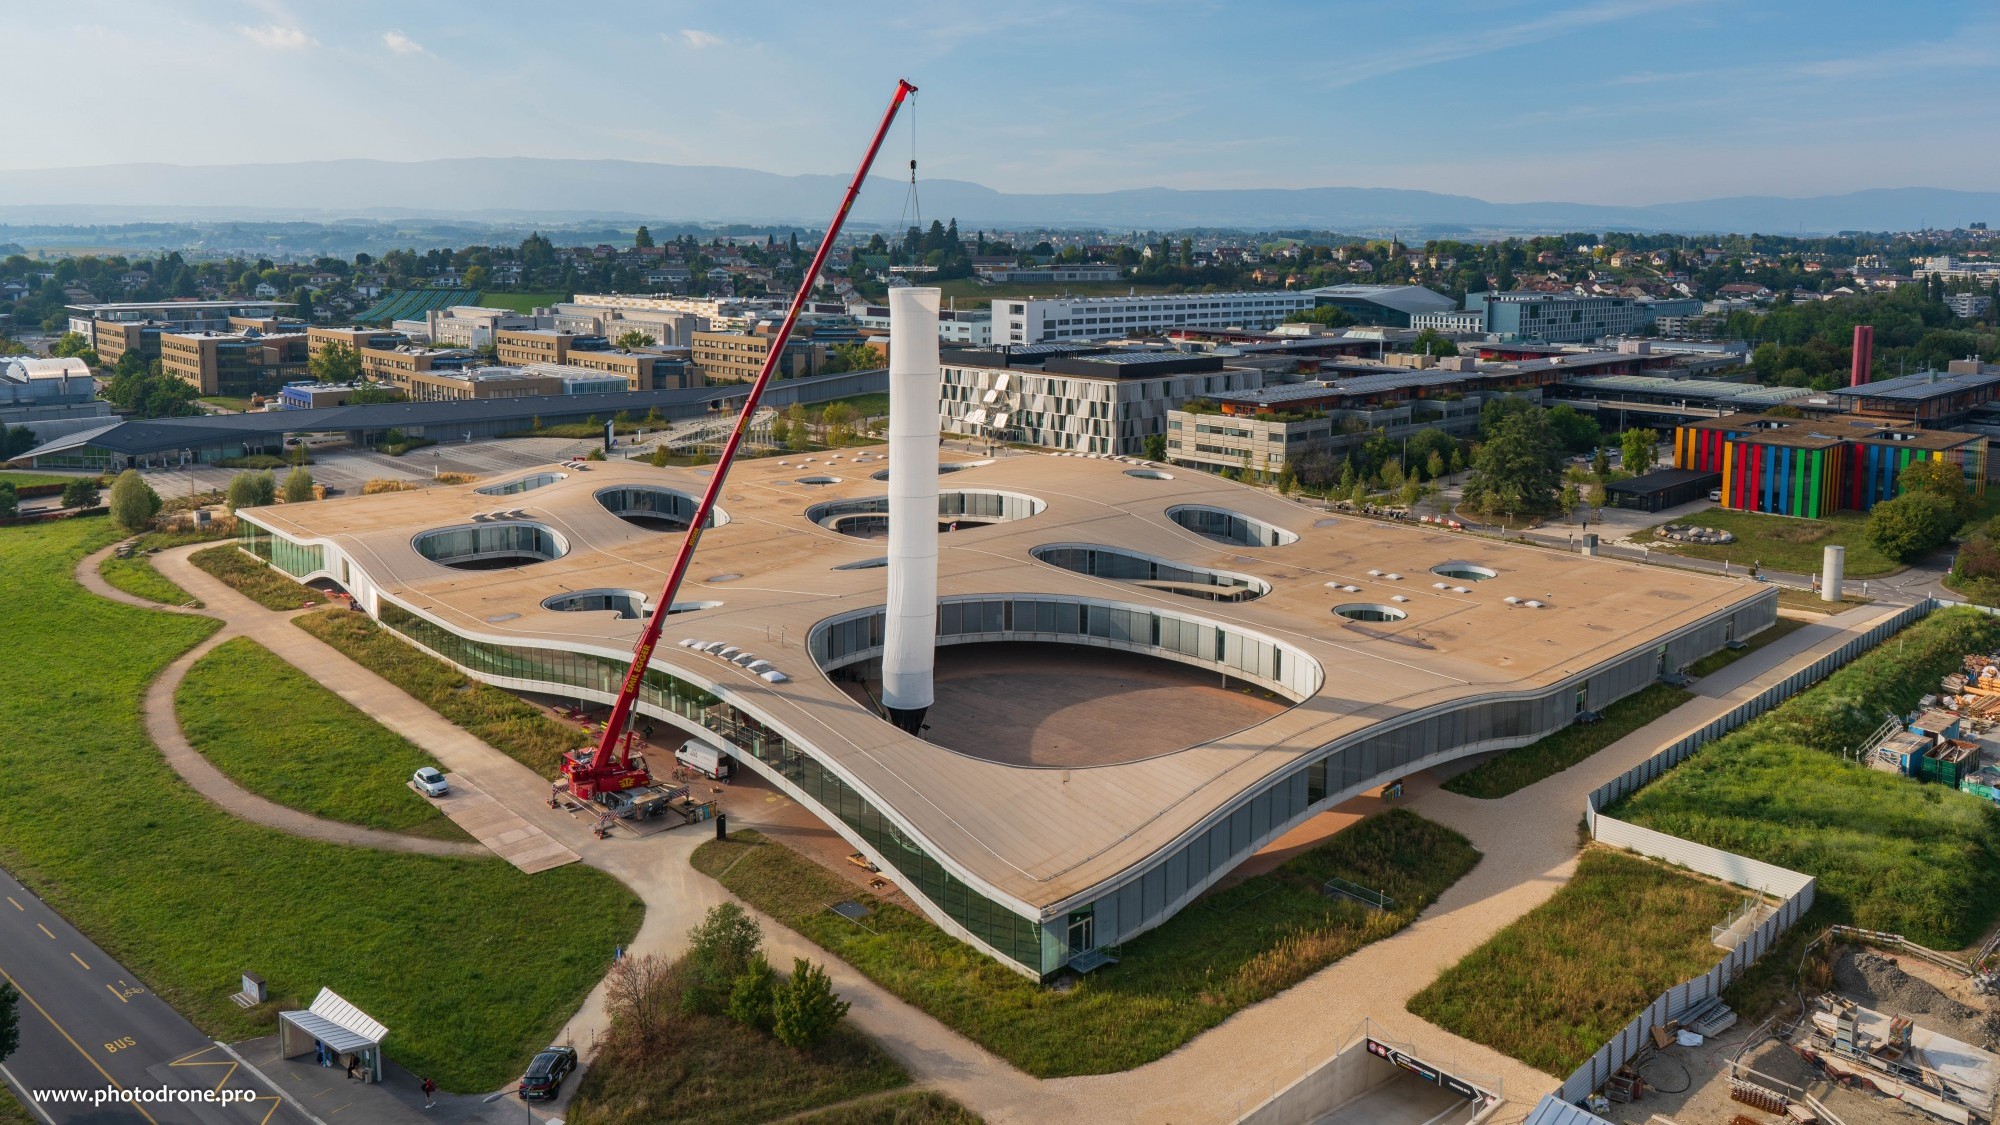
<point x="1528" y="840"/>
<point x="493" y="825"/>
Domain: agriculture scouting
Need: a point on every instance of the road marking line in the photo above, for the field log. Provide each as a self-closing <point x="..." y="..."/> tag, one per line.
<point x="45" y="930"/>
<point x="183" y="1061"/>
<point x="64" y="1032"/>
<point x="17" y="906"/>
<point x="23" y="1090"/>
<point x="279" y="1090"/>
<point x="119" y="995"/>
<point x="276" y="1101"/>
<point x="80" y="961"/>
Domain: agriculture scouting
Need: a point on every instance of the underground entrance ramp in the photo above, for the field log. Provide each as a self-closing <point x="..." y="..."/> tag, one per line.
<point x="1376" y="1081"/>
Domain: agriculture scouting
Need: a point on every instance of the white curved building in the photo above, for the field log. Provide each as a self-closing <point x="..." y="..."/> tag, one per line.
<point x="1392" y="649"/>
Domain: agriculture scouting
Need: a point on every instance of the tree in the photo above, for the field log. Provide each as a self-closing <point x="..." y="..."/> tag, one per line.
<point x="642" y="238"/>
<point x="133" y="501"/>
<point x="806" y="1010"/>
<point x="335" y="363"/>
<point x="854" y="355"/>
<point x="16" y="440"/>
<point x="636" y="991"/>
<point x="74" y="345"/>
<point x="476" y="277"/>
<point x="1600" y="463"/>
<point x="10" y="1020"/>
<point x="1333" y="316"/>
<point x="10" y="500"/>
<point x="1569" y="499"/>
<point x="719" y="951"/>
<point x="1941" y="479"/>
<point x="1288" y="479"/>
<point x="1434" y="466"/>
<point x="838" y="418"/>
<point x="753" y="998"/>
<point x="1519" y="469"/>
<point x="781" y="431"/>
<point x="298" y="486"/>
<point x="633" y="340"/>
<point x="1637" y="447"/>
<point x="1156" y="447"/>
<point x="1576" y="430"/>
<point x="1432" y="342"/>
<point x="1912" y="526"/>
<point x="250" y="490"/>
<point x="80" y="493"/>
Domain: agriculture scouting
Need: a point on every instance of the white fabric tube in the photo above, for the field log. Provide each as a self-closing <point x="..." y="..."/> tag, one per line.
<point x="910" y="641"/>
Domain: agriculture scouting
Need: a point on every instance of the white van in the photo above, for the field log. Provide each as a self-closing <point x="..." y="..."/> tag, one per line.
<point x="705" y="759"/>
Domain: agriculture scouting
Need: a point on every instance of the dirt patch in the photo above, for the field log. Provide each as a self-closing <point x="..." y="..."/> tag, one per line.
<point x="1879" y="982"/>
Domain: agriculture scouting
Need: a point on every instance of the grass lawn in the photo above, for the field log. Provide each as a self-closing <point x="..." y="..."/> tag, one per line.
<point x="12" y="1112"/>
<point x="30" y="480"/>
<point x="712" y="1070"/>
<point x="1554" y="986"/>
<point x="1890" y="853"/>
<point x="333" y="761"/>
<point x="520" y="302"/>
<point x="865" y="406"/>
<point x="1722" y="658"/>
<point x="1228" y="951"/>
<point x="506" y="722"/>
<point x="1809" y="600"/>
<point x="227" y="402"/>
<point x="474" y="964"/>
<point x="136" y="576"/>
<point x="253" y="578"/>
<point x="1546" y="757"/>
<point x="1782" y="542"/>
<point x="912" y="1107"/>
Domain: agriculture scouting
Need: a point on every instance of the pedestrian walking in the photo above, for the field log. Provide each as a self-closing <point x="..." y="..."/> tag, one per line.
<point x="430" y="1093"/>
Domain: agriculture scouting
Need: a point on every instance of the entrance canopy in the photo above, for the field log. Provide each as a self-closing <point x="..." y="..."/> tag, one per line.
<point x="333" y="1021"/>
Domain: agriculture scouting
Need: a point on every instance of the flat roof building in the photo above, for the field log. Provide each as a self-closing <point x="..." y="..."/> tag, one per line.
<point x="1037" y="320"/>
<point x="738" y="357"/>
<point x="1556" y="317"/>
<point x="1440" y="655"/>
<point x="1075" y="399"/>
<point x="1814" y="467"/>
<point x="1927" y="397"/>
<point x="176" y="316"/>
<point x="1392" y="305"/>
<point x="234" y="364"/>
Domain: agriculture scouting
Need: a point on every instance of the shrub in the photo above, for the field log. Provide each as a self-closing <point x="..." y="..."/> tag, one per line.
<point x="10" y="500"/>
<point x="251" y="490"/>
<point x="80" y="493"/>
<point x="719" y="951"/>
<point x="753" y="998"/>
<point x="1912" y="526"/>
<point x="298" y="486"/>
<point x="133" y="501"/>
<point x="595" y="455"/>
<point x="806" y="1010"/>
<point x="381" y="485"/>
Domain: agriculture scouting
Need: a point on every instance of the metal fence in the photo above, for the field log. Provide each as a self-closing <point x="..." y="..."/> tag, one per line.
<point x="1795" y="890"/>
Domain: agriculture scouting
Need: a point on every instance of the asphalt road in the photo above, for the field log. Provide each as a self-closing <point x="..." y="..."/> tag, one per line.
<point x="88" y="1024"/>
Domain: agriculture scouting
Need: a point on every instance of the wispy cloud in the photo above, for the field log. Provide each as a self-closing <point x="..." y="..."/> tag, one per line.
<point x="1501" y="38"/>
<point x="697" y="39"/>
<point x="277" y="37"/>
<point x="401" y="44"/>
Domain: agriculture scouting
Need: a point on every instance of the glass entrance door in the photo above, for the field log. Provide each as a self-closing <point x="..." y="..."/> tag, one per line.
<point x="1082" y="932"/>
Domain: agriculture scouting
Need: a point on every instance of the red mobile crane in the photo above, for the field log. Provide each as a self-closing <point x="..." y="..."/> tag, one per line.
<point x="609" y="767"/>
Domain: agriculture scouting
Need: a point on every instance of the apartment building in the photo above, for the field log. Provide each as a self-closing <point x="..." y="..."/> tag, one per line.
<point x="1075" y="400"/>
<point x="738" y="357"/>
<point x="1036" y="320"/>
<point x="237" y="364"/>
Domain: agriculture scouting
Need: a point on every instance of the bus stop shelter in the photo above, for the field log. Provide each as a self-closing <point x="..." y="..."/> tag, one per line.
<point x="339" y="1026"/>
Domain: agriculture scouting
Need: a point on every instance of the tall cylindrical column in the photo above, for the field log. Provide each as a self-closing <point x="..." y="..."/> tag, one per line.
<point x="910" y="642"/>
<point x="1833" y="570"/>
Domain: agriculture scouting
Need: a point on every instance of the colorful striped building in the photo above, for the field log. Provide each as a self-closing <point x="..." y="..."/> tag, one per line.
<point x="1813" y="467"/>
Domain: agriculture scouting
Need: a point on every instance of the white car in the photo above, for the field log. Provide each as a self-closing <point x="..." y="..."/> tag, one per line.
<point x="431" y="782"/>
<point x="1715" y="496"/>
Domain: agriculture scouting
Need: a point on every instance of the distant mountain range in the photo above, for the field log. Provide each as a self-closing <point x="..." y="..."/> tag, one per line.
<point x="516" y="188"/>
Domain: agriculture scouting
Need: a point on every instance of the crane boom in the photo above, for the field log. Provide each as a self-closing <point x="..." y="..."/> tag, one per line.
<point x="595" y="772"/>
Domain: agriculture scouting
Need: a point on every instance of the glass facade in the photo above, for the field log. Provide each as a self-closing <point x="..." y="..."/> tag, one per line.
<point x="1015" y="937"/>
<point x="1283" y="669"/>
<point x="1221" y="523"/>
<point x="458" y="545"/>
<point x="292" y="558"/>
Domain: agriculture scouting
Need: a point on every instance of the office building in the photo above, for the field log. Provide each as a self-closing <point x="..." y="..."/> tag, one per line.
<point x="319" y="338"/>
<point x="1555" y="318"/>
<point x="1051" y="274"/>
<point x="1038" y="320"/>
<point x="172" y="316"/>
<point x="311" y="394"/>
<point x="1463" y="322"/>
<point x="465" y="326"/>
<point x="233" y="364"/>
<point x="1391" y="305"/>
<point x="1814" y="467"/>
<point x="1968" y="306"/>
<point x="737" y="357"/>
<point x="1077" y="400"/>
<point x="401" y="365"/>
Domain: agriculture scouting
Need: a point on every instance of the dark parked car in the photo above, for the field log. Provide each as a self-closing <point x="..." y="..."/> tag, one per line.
<point x="545" y="1074"/>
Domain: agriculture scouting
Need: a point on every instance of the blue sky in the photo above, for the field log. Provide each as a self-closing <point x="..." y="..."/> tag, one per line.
<point x="1634" y="101"/>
